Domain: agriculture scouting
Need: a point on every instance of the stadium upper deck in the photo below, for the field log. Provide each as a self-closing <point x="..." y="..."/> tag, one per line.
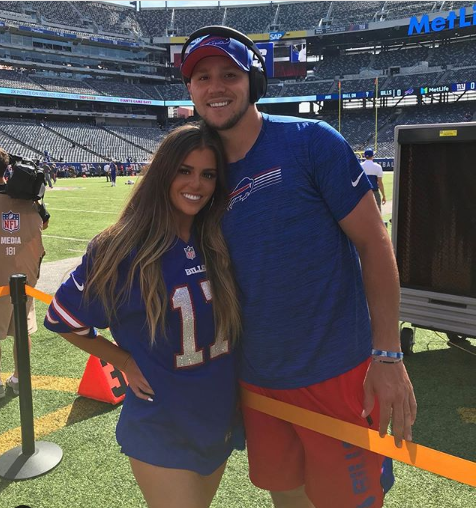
<point x="123" y="21"/>
<point x="110" y="65"/>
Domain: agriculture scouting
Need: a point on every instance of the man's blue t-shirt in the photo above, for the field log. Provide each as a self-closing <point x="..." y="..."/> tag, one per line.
<point x="305" y="314"/>
<point x="193" y="374"/>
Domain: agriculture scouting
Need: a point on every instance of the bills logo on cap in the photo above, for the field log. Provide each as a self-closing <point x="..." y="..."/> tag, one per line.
<point x="10" y="221"/>
<point x="208" y="40"/>
<point x="190" y="252"/>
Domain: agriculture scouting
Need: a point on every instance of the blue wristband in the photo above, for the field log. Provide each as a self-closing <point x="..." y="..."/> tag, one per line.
<point x="388" y="354"/>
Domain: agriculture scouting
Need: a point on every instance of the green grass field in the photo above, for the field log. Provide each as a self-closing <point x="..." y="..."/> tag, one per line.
<point x="94" y="473"/>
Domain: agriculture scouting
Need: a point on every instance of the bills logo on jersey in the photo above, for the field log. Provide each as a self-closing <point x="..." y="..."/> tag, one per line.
<point x="10" y="221"/>
<point x="190" y="252"/>
<point x="248" y="186"/>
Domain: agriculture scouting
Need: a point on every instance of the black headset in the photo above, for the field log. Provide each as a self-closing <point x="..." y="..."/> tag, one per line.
<point x="258" y="76"/>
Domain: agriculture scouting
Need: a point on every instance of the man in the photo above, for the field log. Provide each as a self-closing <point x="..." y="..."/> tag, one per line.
<point x="21" y="251"/>
<point x="54" y="173"/>
<point x="113" y="170"/>
<point x="107" y="170"/>
<point x="300" y="211"/>
<point x="374" y="173"/>
<point x="47" y="172"/>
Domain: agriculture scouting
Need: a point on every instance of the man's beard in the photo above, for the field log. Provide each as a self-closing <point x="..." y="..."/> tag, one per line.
<point x="230" y="123"/>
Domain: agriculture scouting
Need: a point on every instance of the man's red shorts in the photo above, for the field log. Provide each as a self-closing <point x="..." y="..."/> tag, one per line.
<point x="283" y="456"/>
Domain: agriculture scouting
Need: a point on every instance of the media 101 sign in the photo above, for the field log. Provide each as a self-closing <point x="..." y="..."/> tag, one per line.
<point x="442" y="23"/>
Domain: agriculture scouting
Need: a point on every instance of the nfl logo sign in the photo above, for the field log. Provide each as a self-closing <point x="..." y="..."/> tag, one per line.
<point x="190" y="252"/>
<point x="10" y="221"/>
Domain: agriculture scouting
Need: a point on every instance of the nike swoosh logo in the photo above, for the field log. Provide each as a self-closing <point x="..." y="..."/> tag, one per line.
<point x="354" y="184"/>
<point x="79" y="286"/>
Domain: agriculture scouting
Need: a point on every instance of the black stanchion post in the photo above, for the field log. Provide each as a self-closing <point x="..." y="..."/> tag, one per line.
<point x="18" y="296"/>
<point x="31" y="459"/>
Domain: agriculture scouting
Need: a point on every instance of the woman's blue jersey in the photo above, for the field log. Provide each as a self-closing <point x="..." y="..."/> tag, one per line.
<point x="192" y="373"/>
<point x="305" y="314"/>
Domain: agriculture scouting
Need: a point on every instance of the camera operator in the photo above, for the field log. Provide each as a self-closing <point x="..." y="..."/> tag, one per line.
<point x="21" y="251"/>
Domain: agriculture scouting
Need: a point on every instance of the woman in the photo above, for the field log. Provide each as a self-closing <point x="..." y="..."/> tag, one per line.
<point x="145" y="278"/>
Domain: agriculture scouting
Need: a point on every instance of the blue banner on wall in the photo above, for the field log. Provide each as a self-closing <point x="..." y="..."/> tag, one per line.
<point x="114" y="42"/>
<point x="47" y="32"/>
<point x="67" y="35"/>
<point x="267" y="51"/>
<point x="463" y="87"/>
<point x="385" y="162"/>
<point x="80" y="97"/>
<point x="453" y="87"/>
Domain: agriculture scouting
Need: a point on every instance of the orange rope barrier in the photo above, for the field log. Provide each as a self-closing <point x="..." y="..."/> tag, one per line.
<point x="35" y="293"/>
<point x="455" y="468"/>
<point x="39" y="295"/>
<point x="440" y="463"/>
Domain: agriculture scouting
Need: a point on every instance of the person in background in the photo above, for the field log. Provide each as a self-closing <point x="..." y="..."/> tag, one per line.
<point x="318" y="283"/>
<point x="21" y="251"/>
<point x="374" y="173"/>
<point x="113" y="167"/>
<point x="47" y="172"/>
<point x="54" y="173"/>
<point x="160" y="279"/>
<point x="7" y="174"/>
<point x="107" y="171"/>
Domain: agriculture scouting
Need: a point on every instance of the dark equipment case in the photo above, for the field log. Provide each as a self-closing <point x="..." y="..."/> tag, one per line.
<point x="434" y="228"/>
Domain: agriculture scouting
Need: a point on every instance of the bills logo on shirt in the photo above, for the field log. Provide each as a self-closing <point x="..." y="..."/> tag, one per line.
<point x="241" y="191"/>
<point x="190" y="252"/>
<point x="248" y="186"/>
<point x="10" y="221"/>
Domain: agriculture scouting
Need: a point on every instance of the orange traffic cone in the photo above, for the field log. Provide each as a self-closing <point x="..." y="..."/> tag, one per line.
<point x="102" y="381"/>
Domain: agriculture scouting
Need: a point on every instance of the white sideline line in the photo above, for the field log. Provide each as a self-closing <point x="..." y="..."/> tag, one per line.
<point x="81" y="211"/>
<point x="65" y="238"/>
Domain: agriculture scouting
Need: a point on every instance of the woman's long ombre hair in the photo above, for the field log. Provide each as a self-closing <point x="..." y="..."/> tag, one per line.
<point x="147" y="225"/>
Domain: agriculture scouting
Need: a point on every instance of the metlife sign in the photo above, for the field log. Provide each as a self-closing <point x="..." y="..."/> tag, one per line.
<point x="453" y="19"/>
<point x="433" y="89"/>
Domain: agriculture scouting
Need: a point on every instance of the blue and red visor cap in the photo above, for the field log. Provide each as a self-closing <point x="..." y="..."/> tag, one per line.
<point x="212" y="45"/>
